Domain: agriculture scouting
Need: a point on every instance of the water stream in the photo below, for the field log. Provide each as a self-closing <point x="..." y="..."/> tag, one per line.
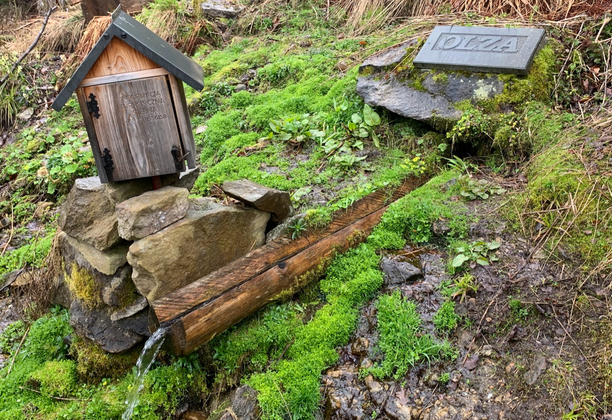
<point x="145" y="360"/>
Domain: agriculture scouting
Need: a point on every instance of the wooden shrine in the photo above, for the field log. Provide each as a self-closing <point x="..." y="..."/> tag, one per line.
<point x="130" y="91"/>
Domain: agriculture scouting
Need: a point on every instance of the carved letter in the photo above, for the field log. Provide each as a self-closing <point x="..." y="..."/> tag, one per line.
<point x="455" y="40"/>
<point x="465" y="42"/>
<point x="510" y="44"/>
<point x="487" y="43"/>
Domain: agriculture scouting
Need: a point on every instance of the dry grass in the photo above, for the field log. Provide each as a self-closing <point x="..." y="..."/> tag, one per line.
<point x="35" y="294"/>
<point x="63" y="33"/>
<point x="367" y="14"/>
<point x="95" y="30"/>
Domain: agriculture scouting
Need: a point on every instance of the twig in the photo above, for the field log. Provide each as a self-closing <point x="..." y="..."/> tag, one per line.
<point x="6" y="245"/>
<point x="17" y="352"/>
<point x="467" y="353"/>
<point x="51" y="396"/>
<point x="29" y="50"/>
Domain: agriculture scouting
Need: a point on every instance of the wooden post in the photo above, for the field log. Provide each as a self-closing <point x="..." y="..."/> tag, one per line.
<point x="156" y="181"/>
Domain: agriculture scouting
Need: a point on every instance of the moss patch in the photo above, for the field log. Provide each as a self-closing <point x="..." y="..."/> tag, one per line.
<point x="84" y="287"/>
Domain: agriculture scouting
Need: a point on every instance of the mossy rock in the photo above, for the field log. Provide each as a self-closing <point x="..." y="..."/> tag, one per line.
<point x="439" y="97"/>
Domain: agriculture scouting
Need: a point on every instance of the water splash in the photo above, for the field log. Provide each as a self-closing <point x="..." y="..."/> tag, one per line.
<point x="145" y="360"/>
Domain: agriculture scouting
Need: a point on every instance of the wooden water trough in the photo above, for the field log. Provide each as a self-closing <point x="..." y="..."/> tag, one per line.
<point x="210" y="305"/>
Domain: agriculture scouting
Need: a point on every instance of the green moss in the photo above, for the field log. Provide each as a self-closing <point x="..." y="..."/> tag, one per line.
<point x="440" y="78"/>
<point x="32" y="254"/>
<point x="94" y="364"/>
<point x="56" y="378"/>
<point x="446" y="319"/>
<point x="84" y="287"/>
<point x="402" y="338"/>
<point x="411" y="218"/>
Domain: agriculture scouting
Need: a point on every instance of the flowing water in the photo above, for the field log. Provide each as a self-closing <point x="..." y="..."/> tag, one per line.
<point x="145" y="360"/>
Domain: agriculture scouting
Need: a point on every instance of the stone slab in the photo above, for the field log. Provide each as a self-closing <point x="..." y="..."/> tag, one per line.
<point x="150" y="212"/>
<point x="479" y="49"/>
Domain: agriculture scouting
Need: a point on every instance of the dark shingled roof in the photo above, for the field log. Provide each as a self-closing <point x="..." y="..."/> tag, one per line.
<point x="143" y="40"/>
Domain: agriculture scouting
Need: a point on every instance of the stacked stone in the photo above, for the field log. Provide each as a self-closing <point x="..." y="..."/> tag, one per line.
<point x="124" y="245"/>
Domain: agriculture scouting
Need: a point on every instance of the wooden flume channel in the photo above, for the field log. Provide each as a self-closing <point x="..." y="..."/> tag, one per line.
<point x="215" y="302"/>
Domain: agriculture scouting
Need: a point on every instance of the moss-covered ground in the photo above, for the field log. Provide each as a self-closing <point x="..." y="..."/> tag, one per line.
<point x="279" y="108"/>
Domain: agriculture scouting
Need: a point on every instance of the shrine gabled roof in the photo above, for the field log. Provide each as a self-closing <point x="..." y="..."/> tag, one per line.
<point x="146" y="42"/>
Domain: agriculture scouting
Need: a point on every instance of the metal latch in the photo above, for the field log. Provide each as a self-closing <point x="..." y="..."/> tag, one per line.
<point x="178" y="157"/>
<point x="92" y="106"/>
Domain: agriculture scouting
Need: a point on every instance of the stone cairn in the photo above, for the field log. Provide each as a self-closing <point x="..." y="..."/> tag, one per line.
<point x="124" y="245"/>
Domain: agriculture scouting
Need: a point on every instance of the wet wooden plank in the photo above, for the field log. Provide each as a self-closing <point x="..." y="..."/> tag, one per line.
<point x="225" y="310"/>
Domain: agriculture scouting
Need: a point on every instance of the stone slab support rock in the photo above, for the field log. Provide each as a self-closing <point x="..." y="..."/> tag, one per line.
<point x="262" y="198"/>
<point x="150" y="212"/>
<point x="210" y="236"/>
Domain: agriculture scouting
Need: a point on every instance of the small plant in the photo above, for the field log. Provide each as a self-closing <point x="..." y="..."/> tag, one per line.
<point x="402" y="338"/>
<point x="519" y="311"/>
<point x="363" y="126"/>
<point x="415" y="165"/>
<point x="445" y="320"/>
<point x="296" y="129"/>
<point x="464" y="285"/>
<point x="297" y="228"/>
<point x="444" y="378"/>
<point x="480" y="189"/>
<point x="479" y="252"/>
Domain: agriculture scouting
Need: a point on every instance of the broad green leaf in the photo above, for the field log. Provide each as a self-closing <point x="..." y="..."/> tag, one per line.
<point x="70" y="169"/>
<point x="356" y="118"/>
<point x="493" y="245"/>
<point x="375" y="139"/>
<point x="459" y="260"/>
<point x="482" y="261"/>
<point x="370" y="116"/>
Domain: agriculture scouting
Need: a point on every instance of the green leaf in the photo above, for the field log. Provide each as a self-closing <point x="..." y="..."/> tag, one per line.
<point x="459" y="260"/>
<point x="482" y="261"/>
<point x="70" y="169"/>
<point x="356" y="118"/>
<point x="50" y="188"/>
<point x="370" y="116"/>
<point x="375" y="139"/>
<point x="493" y="245"/>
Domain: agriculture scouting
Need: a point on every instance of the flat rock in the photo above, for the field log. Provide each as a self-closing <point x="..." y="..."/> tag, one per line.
<point x="221" y="9"/>
<point x="397" y="272"/>
<point x="435" y="102"/>
<point x="88" y="214"/>
<point x="150" y="212"/>
<point x="130" y="310"/>
<point x="106" y="262"/>
<point x="210" y="236"/>
<point x="96" y="325"/>
<point x="262" y="198"/>
<point x="242" y="405"/>
<point x="537" y="369"/>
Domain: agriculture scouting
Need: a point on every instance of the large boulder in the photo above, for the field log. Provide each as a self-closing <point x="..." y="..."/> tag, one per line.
<point x="210" y="236"/>
<point x="150" y="212"/>
<point x="389" y="80"/>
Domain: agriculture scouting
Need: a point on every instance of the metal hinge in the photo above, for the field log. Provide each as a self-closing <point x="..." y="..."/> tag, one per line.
<point x="107" y="160"/>
<point x="92" y="106"/>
